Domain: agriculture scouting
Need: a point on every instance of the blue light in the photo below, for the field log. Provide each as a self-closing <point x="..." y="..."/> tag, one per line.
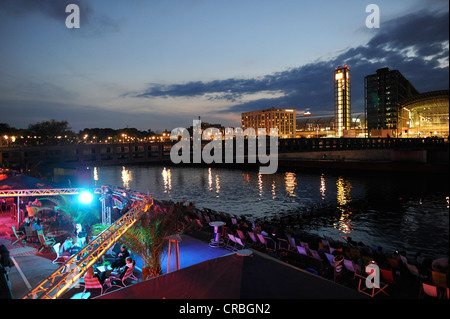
<point x="85" y="197"/>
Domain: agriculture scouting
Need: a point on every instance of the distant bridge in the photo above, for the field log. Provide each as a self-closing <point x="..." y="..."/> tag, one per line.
<point x="134" y="153"/>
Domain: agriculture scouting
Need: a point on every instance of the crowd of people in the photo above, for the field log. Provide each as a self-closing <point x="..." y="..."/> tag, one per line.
<point x="360" y="254"/>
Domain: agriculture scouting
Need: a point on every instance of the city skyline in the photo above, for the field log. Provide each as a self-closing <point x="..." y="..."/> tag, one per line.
<point x="160" y="65"/>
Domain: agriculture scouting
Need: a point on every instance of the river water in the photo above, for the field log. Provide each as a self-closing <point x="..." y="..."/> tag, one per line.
<point x="407" y="212"/>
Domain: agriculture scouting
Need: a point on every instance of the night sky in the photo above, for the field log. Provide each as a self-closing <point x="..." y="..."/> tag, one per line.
<point x="160" y="64"/>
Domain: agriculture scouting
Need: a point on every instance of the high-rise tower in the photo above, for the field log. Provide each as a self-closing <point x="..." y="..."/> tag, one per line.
<point x="342" y="100"/>
<point x="383" y="91"/>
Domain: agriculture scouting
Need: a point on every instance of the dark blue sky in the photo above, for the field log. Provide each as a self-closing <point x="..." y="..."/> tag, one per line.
<point x="160" y="64"/>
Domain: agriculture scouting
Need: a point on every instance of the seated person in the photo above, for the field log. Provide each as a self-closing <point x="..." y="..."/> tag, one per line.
<point x="76" y="245"/>
<point x="34" y="225"/>
<point x="66" y="247"/>
<point x="90" y="274"/>
<point x="129" y="263"/>
<point x="120" y="259"/>
<point x="26" y="223"/>
<point x="80" y="232"/>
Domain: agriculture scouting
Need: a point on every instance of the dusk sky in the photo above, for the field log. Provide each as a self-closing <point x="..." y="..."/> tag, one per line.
<point x="160" y="64"/>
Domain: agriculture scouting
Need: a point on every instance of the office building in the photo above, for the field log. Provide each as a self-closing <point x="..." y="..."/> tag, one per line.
<point x="282" y="119"/>
<point x="383" y="92"/>
<point x="342" y="100"/>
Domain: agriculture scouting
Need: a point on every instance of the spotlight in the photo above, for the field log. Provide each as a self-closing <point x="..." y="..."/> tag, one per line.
<point x="85" y="197"/>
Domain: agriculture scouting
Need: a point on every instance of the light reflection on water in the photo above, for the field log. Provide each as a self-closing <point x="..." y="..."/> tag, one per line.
<point x="391" y="211"/>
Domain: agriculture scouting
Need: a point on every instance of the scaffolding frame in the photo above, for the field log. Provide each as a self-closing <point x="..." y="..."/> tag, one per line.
<point x="71" y="271"/>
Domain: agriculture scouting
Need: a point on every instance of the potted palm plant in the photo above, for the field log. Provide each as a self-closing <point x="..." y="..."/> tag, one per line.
<point x="147" y="237"/>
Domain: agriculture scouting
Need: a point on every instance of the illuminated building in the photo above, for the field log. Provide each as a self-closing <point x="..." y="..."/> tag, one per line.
<point x="282" y="119"/>
<point x="425" y="115"/>
<point x="383" y="92"/>
<point x="342" y="101"/>
<point x="324" y="125"/>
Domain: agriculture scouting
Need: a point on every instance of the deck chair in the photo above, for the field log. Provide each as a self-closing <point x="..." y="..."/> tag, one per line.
<point x="120" y="282"/>
<point x="292" y="243"/>
<point x="253" y="238"/>
<point x="92" y="283"/>
<point x="302" y="250"/>
<point x="315" y="254"/>
<point x="350" y="267"/>
<point x="370" y="291"/>
<point x="388" y="276"/>
<point x="429" y="290"/>
<point x="305" y="245"/>
<point x="393" y="263"/>
<point x="271" y="245"/>
<point x="240" y="234"/>
<point x="439" y="279"/>
<point x="283" y="246"/>
<point x="18" y="234"/>
<point x="233" y="239"/>
<point x="262" y="239"/>
<point x="239" y="242"/>
<point x="330" y="258"/>
<point x="45" y="241"/>
<point x="31" y="234"/>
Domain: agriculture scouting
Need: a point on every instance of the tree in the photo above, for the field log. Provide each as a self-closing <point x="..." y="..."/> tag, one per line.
<point x="50" y="130"/>
<point x="75" y="212"/>
<point x="147" y="237"/>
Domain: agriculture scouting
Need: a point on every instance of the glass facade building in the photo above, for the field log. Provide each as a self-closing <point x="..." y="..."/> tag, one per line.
<point x="342" y="101"/>
<point x="324" y="126"/>
<point x="425" y="115"/>
<point x="383" y="92"/>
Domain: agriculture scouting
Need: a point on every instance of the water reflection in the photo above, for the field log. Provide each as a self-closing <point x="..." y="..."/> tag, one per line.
<point x="126" y="178"/>
<point x="291" y="182"/>
<point x="95" y="174"/>
<point x="343" y="199"/>
<point x="403" y="219"/>
<point x="323" y="188"/>
<point x="167" y="180"/>
<point x="210" y="179"/>
<point x="217" y="185"/>
<point x="274" y="193"/>
<point x="260" y="185"/>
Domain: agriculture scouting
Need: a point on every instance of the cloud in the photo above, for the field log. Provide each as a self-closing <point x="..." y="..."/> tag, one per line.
<point x="415" y="44"/>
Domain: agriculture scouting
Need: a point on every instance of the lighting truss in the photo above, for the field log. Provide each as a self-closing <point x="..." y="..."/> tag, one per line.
<point x="45" y="192"/>
<point x="71" y="271"/>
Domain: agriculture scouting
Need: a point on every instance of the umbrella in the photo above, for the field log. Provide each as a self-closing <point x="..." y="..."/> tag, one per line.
<point x="22" y="182"/>
<point x="236" y="276"/>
